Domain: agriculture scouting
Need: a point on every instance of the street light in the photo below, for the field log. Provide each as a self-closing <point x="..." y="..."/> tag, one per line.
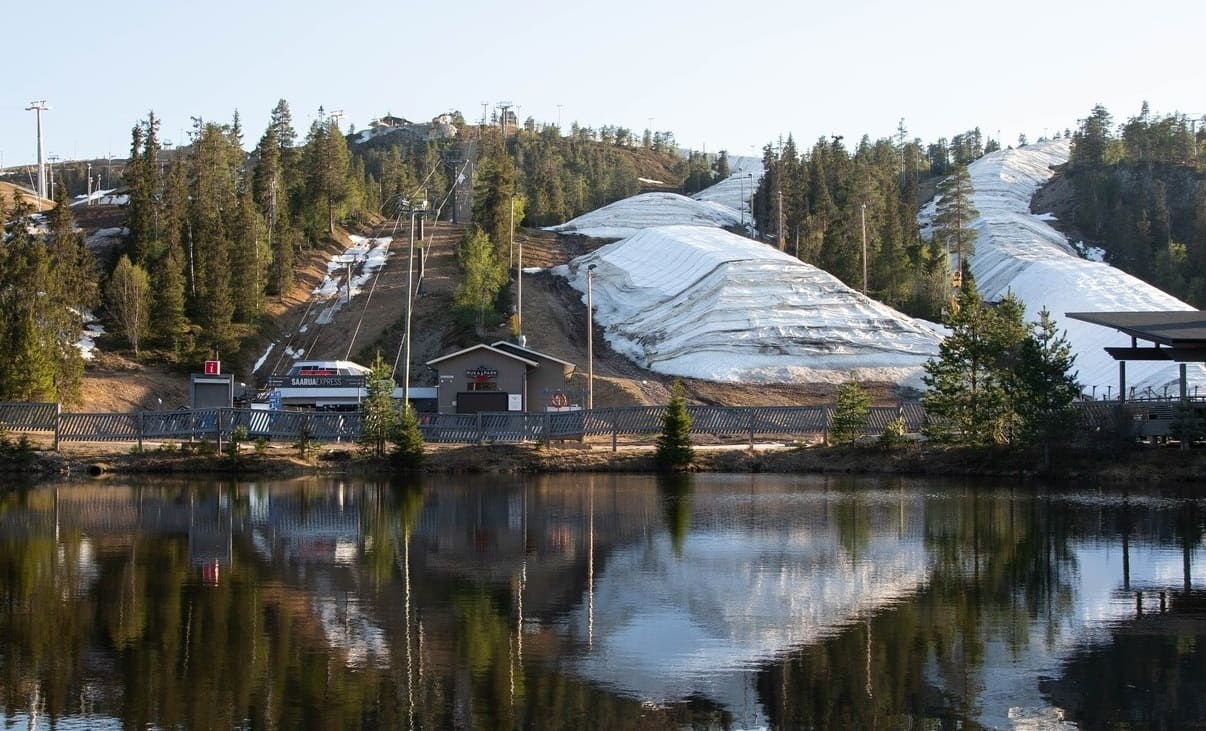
<point x="415" y="208"/>
<point x="590" y="340"/>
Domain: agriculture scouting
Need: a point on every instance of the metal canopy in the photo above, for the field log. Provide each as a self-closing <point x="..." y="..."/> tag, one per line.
<point x="1184" y="330"/>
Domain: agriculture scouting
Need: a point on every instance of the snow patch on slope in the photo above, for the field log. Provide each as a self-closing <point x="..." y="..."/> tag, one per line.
<point x="647" y="210"/>
<point x="1019" y="252"/>
<point x="736" y="190"/>
<point x="703" y="303"/>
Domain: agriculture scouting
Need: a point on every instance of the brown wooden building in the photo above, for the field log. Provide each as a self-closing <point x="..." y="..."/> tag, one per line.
<point x="500" y="377"/>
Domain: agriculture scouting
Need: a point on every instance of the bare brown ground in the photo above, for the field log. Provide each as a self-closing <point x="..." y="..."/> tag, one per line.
<point x="554" y="321"/>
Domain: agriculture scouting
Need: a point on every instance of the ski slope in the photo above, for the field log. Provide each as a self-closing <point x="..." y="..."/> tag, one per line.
<point x="704" y="303"/>
<point x="1019" y="252"/>
<point x="736" y="190"/>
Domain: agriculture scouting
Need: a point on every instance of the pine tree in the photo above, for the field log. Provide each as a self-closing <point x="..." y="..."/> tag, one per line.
<point x="968" y="400"/>
<point x="954" y="216"/>
<point x="850" y="414"/>
<point x="674" y="451"/>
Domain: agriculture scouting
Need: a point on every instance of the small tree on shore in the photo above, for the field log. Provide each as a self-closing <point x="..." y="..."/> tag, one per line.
<point x="850" y="414"/>
<point x="408" y="440"/>
<point x="674" y="451"/>
<point x="128" y="297"/>
<point x="378" y="414"/>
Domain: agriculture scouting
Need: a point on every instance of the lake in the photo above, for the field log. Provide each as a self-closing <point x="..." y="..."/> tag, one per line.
<point x="600" y="601"/>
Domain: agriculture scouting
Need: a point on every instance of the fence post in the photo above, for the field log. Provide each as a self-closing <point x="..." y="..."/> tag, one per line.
<point x="753" y="414"/>
<point x="548" y="428"/>
<point x="481" y="435"/>
<point x="138" y="417"/>
<point x="218" y="430"/>
<point x="615" y="432"/>
<point x="58" y="412"/>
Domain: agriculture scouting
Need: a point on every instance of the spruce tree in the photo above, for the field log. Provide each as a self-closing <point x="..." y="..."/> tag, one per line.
<point x="378" y="413"/>
<point x="408" y="440"/>
<point x="1042" y="386"/>
<point x="674" y="451"/>
<point x="850" y="414"/>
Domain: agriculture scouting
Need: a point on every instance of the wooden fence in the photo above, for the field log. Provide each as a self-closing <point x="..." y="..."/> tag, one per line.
<point x="1135" y="418"/>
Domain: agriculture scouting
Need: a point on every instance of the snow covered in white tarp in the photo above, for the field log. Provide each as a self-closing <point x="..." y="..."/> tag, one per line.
<point x="631" y="215"/>
<point x="736" y="190"/>
<point x="1019" y="252"/>
<point x="704" y="303"/>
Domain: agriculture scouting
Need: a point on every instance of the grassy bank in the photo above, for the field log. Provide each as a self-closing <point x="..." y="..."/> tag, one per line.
<point x="1129" y="464"/>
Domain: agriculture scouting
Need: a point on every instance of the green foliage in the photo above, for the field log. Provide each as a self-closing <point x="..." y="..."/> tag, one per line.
<point x="850" y="414"/>
<point x="894" y="433"/>
<point x="483" y="277"/>
<point x="43" y="282"/>
<point x="954" y="215"/>
<point x="674" y="451"/>
<point x="19" y="453"/>
<point x="378" y="413"/>
<point x="128" y="298"/>
<point x="968" y="400"/>
<point x="408" y="441"/>
<point x="1042" y="386"/>
<point x="675" y="491"/>
<point x="1141" y="197"/>
<point x="261" y="445"/>
<point x="238" y="435"/>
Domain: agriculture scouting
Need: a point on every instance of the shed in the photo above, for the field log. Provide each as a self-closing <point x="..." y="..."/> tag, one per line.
<point x="498" y="377"/>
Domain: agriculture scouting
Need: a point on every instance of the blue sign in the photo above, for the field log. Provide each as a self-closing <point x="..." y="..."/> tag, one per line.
<point x="274" y="401"/>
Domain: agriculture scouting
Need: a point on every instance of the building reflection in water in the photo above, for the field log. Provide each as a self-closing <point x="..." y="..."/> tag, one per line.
<point x="710" y="600"/>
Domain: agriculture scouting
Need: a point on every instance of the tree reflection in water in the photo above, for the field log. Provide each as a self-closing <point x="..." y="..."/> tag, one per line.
<point x="507" y="603"/>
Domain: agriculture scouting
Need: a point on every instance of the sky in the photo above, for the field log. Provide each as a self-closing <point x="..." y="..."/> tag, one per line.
<point x="719" y="75"/>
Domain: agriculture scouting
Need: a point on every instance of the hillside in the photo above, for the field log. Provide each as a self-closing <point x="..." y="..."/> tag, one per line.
<point x="6" y="195"/>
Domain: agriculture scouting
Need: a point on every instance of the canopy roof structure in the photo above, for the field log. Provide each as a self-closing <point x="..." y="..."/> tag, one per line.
<point x="1175" y="335"/>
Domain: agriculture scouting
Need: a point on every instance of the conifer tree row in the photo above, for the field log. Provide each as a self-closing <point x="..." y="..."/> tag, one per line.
<point x="817" y="205"/>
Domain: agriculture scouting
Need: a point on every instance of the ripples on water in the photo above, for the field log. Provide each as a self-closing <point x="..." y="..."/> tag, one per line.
<point x="599" y="601"/>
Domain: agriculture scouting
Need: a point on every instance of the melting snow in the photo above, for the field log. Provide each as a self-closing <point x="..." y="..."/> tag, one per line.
<point x="736" y="190"/>
<point x="92" y="331"/>
<point x="1019" y="252"/>
<point x="703" y="303"/>
<point x="366" y="255"/>
<point x="260" y="361"/>
<point x="631" y="215"/>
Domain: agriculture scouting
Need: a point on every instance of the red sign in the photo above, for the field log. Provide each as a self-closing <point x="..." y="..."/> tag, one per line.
<point x="213" y="367"/>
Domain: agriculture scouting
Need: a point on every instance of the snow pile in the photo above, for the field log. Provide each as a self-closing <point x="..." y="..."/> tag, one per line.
<point x="704" y="303"/>
<point x="631" y="215"/>
<point x="366" y="255"/>
<point x="104" y="238"/>
<point x="96" y="195"/>
<point x="92" y="331"/>
<point x="1019" y="252"/>
<point x="736" y="190"/>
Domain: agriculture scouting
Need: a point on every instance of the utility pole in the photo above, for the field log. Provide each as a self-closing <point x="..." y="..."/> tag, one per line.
<point x="590" y="340"/>
<point x="38" y="107"/>
<point x="89" y="176"/>
<point x="863" y="215"/>
<point x="53" y="159"/>
<point x="782" y="241"/>
<point x="503" y="108"/>
<point x="415" y="208"/>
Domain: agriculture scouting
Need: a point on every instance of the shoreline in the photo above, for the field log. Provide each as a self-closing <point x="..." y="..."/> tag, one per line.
<point x="1138" y="463"/>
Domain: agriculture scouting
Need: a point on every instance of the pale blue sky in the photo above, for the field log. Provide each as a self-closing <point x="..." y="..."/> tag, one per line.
<point x="731" y="75"/>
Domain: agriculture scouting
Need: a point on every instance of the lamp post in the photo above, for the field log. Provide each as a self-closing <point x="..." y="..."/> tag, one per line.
<point x="863" y="214"/>
<point x="415" y="208"/>
<point x="590" y="340"/>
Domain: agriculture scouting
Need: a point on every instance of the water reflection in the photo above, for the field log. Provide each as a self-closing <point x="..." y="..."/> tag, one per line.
<point x="598" y="601"/>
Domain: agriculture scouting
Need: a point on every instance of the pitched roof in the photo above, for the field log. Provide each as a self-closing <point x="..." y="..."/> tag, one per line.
<point x="537" y="353"/>
<point x="483" y="346"/>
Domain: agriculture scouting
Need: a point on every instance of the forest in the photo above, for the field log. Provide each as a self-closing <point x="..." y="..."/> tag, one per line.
<point x="1139" y="196"/>
<point x="217" y="225"/>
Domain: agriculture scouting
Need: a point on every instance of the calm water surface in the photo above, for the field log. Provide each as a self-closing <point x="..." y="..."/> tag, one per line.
<point x="604" y="601"/>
